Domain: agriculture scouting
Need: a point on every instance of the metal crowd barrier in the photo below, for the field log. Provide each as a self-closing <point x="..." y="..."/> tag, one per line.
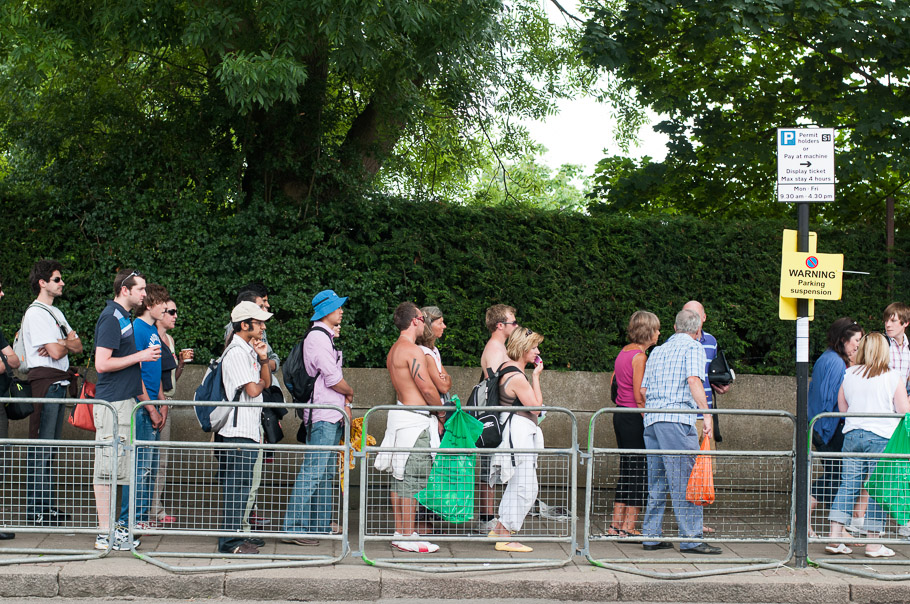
<point x="194" y="492"/>
<point x="549" y="526"/>
<point x="826" y="472"/>
<point x="754" y="500"/>
<point x="48" y="490"/>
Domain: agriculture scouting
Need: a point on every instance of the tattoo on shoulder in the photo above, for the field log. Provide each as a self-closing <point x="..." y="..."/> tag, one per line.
<point x="415" y="370"/>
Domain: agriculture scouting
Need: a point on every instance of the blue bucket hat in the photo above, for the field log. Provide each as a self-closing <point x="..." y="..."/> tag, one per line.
<point x="325" y="303"/>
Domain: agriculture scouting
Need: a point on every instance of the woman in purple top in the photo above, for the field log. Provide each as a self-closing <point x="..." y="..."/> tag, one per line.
<point x="632" y="485"/>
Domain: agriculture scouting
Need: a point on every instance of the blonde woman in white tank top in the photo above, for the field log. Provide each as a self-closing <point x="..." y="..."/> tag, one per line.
<point x="870" y="386"/>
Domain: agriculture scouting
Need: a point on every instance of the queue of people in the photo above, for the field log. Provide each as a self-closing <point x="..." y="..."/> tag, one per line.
<point x="858" y="373"/>
<point x="137" y="362"/>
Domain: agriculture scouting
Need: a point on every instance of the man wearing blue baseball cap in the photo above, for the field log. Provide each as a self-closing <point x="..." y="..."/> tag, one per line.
<point x="315" y="495"/>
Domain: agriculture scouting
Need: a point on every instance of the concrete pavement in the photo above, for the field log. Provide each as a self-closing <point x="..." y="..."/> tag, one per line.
<point x="121" y="575"/>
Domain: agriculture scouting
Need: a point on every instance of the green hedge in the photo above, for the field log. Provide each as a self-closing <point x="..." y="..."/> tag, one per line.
<point x="575" y="279"/>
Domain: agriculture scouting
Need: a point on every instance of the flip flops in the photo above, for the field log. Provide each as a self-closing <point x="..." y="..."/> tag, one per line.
<point x="512" y="546"/>
<point x="840" y="548"/>
<point x="616" y="532"/>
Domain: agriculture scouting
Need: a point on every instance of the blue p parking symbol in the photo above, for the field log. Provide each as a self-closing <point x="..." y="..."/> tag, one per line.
<point x="787" y="137"/>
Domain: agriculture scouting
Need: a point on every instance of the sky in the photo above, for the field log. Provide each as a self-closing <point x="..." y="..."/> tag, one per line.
<point x="583" y="131"/>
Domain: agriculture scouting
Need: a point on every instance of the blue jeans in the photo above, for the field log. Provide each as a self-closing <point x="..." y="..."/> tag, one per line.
<point x="40" y="488"/>
<point x="235" y="475"/>
<point x="310" y="506"/>
<point x="146" y="460"/>
<point x="853" y="473"/>
<point x="670" y="474"/>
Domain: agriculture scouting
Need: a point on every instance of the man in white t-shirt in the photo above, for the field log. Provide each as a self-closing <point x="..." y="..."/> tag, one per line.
<point x="48" y="340"/>
<point x="244" y="369"/>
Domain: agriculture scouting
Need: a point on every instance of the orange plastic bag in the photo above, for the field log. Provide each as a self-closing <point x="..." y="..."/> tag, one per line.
<point x="700" y="489"/>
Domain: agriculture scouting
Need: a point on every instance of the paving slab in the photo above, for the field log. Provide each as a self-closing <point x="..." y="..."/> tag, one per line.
<point x="123" y="575"/>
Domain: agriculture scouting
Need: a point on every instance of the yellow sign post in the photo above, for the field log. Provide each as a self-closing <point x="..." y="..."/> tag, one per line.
<point x="787" y="306"/>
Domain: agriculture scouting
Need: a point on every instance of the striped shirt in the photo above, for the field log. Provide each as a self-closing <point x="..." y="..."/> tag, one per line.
<point x="667" y="376"/>
<point x="240" y="367"/>
<point x="709" y="343"/>
<point x="900" y="356"/>
<point x="321" y="356"/>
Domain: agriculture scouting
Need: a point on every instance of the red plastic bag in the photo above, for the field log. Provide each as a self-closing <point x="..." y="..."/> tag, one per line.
<point x="700" y="489"/>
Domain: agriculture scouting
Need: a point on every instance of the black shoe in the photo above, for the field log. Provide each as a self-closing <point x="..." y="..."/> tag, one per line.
<point x="660" y="545"/>
<point x="243" y="548"/>
<point x="702" y="548"/>
<point x="4" y="536"/>
<point x="255" y="541"/>
<point x="50" y="517"/>
<point x="57" y="517"/>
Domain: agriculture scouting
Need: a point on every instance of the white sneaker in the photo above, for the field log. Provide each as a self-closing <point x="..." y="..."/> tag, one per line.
<point x="482" y="527"/>
<point x="856" y="525"/>
<point x="904" y="531"/>
<point x="102" y="542"/>
<point x="122" y="540"/>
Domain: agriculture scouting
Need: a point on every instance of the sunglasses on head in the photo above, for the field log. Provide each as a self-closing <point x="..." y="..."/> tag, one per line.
<point x="130" y="276"/>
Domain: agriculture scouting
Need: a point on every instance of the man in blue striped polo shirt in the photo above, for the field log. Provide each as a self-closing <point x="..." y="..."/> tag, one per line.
<point x="709" y="343"/>
<point x="673" y="380"/>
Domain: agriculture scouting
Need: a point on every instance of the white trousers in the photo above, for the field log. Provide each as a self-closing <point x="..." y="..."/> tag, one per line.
<point x="521" y="492"/>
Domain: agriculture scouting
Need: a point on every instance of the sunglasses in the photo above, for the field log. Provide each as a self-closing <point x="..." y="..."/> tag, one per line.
<point x="130" y="276"/>
<point x="172" y="312"/>
<point x="509" y="322"/>
<point x="529" y="332"/>
<point x="421" y="318"/>
<point x="55" y="279"/>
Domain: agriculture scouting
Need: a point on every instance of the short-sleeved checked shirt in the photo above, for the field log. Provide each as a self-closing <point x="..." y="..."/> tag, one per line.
<point x="667" y="379"/>
<point x="900" y="356"/>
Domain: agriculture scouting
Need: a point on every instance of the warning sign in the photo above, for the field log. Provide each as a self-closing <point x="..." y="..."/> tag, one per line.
<point x="811" y="275"/>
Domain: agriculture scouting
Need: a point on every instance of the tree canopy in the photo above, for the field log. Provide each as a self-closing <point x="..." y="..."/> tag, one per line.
<point x="727" y="73"/>
<point x="299" y="99"/>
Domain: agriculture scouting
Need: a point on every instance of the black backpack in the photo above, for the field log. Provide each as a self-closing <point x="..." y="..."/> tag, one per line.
<point x="299" y="383"/>
<point x="486" y="394"/>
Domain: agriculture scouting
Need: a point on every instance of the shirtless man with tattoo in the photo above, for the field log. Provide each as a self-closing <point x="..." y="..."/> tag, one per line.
<point x="409" y="428"/>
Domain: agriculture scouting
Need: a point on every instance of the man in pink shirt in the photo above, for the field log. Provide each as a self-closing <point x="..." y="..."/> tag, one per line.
<point x="311" y="503"/>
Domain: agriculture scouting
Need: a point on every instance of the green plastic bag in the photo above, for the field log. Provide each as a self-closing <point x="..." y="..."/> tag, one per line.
<point x="450" y="487"/>
<point x="889" y="482"/>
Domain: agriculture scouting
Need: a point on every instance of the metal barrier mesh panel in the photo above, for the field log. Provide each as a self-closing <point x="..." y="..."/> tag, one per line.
<point x="868" y="538"/>
<point x="194" y="480"/>
<point x="752" y="497"/>
<point x="48" y="486"/>
<point x="549" y="512"/>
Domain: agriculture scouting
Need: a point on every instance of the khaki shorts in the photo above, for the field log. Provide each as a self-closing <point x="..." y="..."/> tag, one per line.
<point x="416" y="469"/>
<point x="104" y="431"/>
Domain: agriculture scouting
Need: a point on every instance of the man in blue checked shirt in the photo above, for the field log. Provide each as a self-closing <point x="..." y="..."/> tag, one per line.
<point x="674" y="380"/>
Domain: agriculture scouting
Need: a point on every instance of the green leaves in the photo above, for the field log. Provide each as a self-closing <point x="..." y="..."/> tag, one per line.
<point x="260" y="79"/>
<point x="572" y="277"/>
<point x="727" y="73"/>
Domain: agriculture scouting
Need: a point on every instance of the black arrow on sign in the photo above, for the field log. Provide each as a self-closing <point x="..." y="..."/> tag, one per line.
<point x="807" y="164"/>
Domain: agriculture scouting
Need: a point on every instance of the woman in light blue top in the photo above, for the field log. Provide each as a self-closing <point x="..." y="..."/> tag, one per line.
<point x="827" y="432"/>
